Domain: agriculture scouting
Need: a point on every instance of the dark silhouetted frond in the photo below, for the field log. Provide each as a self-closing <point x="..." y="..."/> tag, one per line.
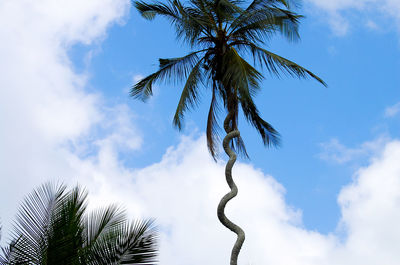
<point x="276" y="64"/>
<point x="53" y="227"/>
<point x="268" y="134"/>
<point x="212" y="125"/>
<point x="174" y="68"/>
<point x="189" y="95"/>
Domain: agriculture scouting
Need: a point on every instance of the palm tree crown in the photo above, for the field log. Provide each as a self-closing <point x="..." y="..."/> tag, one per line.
<point x="52" y="227"/>
<point x="223" y="32"/>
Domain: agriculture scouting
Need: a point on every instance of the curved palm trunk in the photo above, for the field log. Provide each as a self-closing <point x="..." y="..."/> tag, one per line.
<point x="234" y="190"/>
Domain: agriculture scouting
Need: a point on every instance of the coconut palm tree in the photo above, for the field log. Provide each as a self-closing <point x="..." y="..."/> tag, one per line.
<point x="222" y="34"/>
<point x="53" y="227"/>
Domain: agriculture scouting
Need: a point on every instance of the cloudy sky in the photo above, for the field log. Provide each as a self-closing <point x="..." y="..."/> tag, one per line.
<point x="329" y="195"/>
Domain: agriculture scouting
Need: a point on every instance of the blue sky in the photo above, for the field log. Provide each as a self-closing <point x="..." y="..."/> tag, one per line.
<point x="68" y="116"/>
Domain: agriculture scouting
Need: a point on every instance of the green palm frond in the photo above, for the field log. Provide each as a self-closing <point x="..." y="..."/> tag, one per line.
<point x="212" y="125"/>
<point x="268" y="134"/>
<point x="261" y="23"/>
<point x="174" y="68"/>
<point x="127" y="243"/>
<point x="226" y="10"/>
<point x="8" y="256"/>
<point x="34" y="220"/>
<point x="138" y="244"/>
<point x="189" y="23"/>
<point x="149" y="11"/>
<point x="276" y="64"/>
<point x="66" y="237"/>
<point x="100" y="222"/>
<point x="239" y="73"/>
<point x="53" y="228"/>
<point x="189" y="95"/>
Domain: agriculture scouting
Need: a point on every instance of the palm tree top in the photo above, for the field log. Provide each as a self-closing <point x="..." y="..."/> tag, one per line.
<point x="222" y="33"/>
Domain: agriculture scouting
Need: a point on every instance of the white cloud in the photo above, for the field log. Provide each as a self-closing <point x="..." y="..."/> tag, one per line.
<point x="372" y="25"/>
<point x="392" y="110"/>
<point x="371" y="211"/>
<point x="335" y="151"/>
<point x="339" y="12"/>
<point x="136" y="78"/>
<point x="183" y="190"/>
<point x="335" y="5"/>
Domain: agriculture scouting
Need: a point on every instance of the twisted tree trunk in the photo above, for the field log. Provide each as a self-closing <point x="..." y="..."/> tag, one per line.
<point x="234" y="190"/>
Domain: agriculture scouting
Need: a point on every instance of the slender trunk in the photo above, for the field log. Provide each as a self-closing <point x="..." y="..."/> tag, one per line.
<point x="234" y="190"/>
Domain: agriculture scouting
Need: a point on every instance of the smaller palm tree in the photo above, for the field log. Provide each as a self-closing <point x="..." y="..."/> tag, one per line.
<point x="53" y="227"/>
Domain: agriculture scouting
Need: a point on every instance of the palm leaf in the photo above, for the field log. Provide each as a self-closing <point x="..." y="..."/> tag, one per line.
<point x="33" y="223"/>
<point x="66" y="238"/>
<point x="260" y="24"/>
<point x="212" y="125"/>
<point x="268" y="134"/>
<point x="139" y="243"/>
<point x="100" y="221"/>
<point x="238" y="73"/>
<point x="149" y="11"/>
<point x="177" y="68"/>
<point x="277" y="64"/>
<point x="188" y="24"/>
<point x="189" y="95"/>
<point x="134" y="243"/>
